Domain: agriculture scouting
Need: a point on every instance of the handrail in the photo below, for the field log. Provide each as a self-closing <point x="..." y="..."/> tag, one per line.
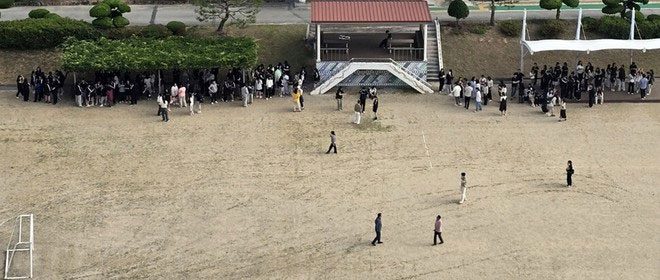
<point x="439" y="43"/>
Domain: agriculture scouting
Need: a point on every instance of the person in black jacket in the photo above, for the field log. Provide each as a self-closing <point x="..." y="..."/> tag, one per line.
<point x="569" y="174"/>
<point x="378" y="227"/>
<point x="375" y="107"/>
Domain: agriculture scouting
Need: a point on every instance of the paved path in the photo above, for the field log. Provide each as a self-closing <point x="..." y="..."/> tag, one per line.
<point x="275" y="14"/>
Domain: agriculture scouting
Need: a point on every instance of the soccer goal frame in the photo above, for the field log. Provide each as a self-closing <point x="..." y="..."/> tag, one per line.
<point x="21" y="245"/>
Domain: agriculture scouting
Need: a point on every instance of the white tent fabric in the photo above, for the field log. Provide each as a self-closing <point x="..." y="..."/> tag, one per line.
<point x="591" y="45"/>
<point x="585" y="45"/>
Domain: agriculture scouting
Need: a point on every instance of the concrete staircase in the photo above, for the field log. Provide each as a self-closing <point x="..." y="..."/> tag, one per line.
<point x="433" y="57"/>
<point x="388" y="65"/>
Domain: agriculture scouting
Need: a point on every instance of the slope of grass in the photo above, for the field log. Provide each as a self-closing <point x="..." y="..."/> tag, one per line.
<point x="493" y="54"/>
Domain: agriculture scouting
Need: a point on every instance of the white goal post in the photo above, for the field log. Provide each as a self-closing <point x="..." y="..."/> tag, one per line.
<point x="17" y="243"/>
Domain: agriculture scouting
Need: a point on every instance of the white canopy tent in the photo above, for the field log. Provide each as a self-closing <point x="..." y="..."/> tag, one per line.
<point x="583" y="45"/>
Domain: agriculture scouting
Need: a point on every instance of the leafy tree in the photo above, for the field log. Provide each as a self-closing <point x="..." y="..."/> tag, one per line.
<point x="622" y="6"/>
<point x="556" y="5"/>
<point x="109" y="14"/>
<point x="240" y="12"/>
<point x="458" y="9"/>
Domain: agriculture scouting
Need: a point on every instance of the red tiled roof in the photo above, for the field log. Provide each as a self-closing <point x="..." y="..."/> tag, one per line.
<point x="370" y="11"/>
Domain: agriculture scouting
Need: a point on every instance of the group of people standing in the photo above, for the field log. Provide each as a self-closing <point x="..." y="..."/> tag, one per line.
<point x="572" y="83"/>
<point x="361" y="104"/>
<point x="43" y="87"/>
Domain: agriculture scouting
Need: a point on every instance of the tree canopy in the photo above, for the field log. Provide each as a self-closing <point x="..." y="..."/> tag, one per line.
<point x="458" y="9"/>
<point x="142" y="54"/>
<point x="240" y="12"/>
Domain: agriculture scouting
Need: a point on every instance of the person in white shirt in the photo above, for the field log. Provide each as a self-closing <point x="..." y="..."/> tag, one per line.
<point x="285" y="85"/>
<point x="258" y="87"/>
<point x="213" y="92"/>
<point x="162" y="104"/>
<point x="245" y="95"/>
<point x="174" y="92"/>
<point x="191" y="102"/>
<point x="456" y="92"/>
<point x="478" y="98"/>
<point x="467" y="95"/>
<point x="269" y="87"/>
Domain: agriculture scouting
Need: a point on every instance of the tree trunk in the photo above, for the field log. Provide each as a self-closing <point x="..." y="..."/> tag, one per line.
<point x="221" y="26"/>
<point x="558" y="12"/>
<point x="457" y="24"/>
<point x="492" y="12"/>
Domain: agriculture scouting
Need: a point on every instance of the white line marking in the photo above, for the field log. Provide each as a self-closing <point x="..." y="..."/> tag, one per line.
<point x="427" y="149"/>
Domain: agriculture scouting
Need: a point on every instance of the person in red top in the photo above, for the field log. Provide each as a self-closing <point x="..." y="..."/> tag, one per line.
<point x="438" y="231"/>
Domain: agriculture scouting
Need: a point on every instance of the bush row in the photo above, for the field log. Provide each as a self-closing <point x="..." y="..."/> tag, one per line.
<point x="42" y="33"/>
<point x="49" y="30"/>
<point x="615" y="27"/>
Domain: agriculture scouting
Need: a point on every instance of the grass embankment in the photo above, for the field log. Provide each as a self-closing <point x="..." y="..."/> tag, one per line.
<point x="276" y="43"/>
<point x="493" y="54"/>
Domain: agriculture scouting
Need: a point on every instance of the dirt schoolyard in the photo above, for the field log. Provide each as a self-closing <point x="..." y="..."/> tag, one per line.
<point x="238" y="192"/>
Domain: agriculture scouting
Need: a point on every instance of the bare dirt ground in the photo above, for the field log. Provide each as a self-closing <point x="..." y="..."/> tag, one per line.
<point x="248" y="193"/>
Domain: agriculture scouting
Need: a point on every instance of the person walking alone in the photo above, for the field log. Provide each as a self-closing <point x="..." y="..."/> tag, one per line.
<point x="463" y="188"/>
<point x="375" y="108"/>
<point x="162" y="104"/>
<point x="569" y="174"/>
<point x="333" y="142"/>
<point x="378" y="226"/>
<point x="437" y="232"/>
<point x="358" y="112"/>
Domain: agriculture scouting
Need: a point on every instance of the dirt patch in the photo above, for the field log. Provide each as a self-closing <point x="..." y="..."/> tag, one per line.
<point x="239" y="192"/>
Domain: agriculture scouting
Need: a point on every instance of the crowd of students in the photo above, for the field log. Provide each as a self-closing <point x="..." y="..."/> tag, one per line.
<point x="43" y="87"/>
<point x="549" y="87"/>
<point x="261" y="83"/>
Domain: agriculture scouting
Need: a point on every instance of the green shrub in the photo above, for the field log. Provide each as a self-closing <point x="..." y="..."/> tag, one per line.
<point x="124" y="8"/>
<point x="156" y="31"/>
<point x="6" y="4"/>
<point x="43" y="33"/>
<point x="590" y="24"/>
<point x="510" y="28"/>
<point x="610" y="10"/>
<point x="113" y="3"/>
<point x="52" y="16"/>
<point x="103" y="23"/>
<point x="120" y="21"/>
<point x="653" y="17"/>
<point x="552" y="29"/>
<point x="38" y="13"/>
<point x="178" y="28"/>
<point x="614" y="27"/>
<point x="99" y="11"/>
<point x="648" y="29"/>
<point x="123" y="33"/>
<point x="638" y="16"/>
<point x="479" y="29"/>
<point x="458" y="9"/>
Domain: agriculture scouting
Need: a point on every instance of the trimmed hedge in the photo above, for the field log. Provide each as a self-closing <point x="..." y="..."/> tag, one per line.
<point x="552" y="29"/>
<point x="6" y="4"/>
<point x="43" y="33"/>
<point x="510" y="28"/>
<point x="99" y="11"/>
<point x="653" y="17"/>
<point x="614" y="27"/>
<point x="103" y="23"/>
<point x="38" y="13"/>
<point x="157" y="31"/>
<point x="123" y="33"/>
<point x="141" y="54"/>
<point x="178" y="28"/>
<point x="52" y="16"/>
<point x="120" y="21"/>
<point x="589" y="23"/>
